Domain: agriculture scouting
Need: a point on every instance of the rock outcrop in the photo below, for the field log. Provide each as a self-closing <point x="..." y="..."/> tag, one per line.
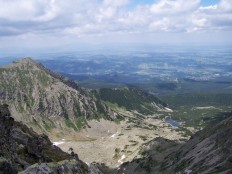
<point x="23" y="150"/>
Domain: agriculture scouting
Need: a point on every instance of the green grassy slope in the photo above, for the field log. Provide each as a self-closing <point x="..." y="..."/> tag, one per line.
<point x="131" y="99"/>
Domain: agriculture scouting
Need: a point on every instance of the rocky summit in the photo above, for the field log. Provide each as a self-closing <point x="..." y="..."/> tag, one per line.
<point x="45" y="100"/>
<point x="23" y="150"/>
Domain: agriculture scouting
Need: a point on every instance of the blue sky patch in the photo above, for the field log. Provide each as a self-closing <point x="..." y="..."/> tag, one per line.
<point x="137" y="2"/>
<point x="209" y="2"/>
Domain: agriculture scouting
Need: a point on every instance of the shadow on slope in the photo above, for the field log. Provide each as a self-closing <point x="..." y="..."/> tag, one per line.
<point x="23" y="149"/>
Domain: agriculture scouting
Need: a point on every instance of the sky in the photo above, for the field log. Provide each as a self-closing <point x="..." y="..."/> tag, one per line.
<point x="76" y="24"/>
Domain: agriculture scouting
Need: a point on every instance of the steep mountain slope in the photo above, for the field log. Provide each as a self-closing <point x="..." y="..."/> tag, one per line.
<point x="37" y="95"/>
<point x="208" y="151"/>
<point x="45" y="100"/>
<point x="23" y="149"/>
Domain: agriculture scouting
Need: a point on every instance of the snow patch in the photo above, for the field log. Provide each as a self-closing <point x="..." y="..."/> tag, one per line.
<point x="206" y="107"/>
<point x="121" y="159"/>
<point x="168" y="109"/>
<point x="112" y="136"/>
<point x="58" y="143"/>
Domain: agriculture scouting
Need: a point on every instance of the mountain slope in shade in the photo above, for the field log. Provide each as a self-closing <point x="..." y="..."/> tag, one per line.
<point x="42" y="97"/>
<point x="208" y="151"/>
<point x="23" y="149"/>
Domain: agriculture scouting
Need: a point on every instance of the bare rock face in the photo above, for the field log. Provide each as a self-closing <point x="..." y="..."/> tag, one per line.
<point x="6" y="166"/>
<point x="23" y="149"/>
<point x="208" y="151"/>
<point x="35" y="94"/>
<point x="64" y="167"/>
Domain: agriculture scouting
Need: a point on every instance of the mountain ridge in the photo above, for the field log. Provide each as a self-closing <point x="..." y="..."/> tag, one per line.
<point x="30" y="89"/>
<point x="45" y="99"/>
<point x="207" y="151"/>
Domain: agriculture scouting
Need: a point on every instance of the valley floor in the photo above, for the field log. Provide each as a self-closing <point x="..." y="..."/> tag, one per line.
<point x="112" y="144"/>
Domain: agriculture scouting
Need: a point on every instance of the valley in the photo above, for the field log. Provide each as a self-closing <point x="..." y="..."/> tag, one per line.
<point x="116" y="87"/>
<point x="115" y="127"/>
<point x="112" y="143"/>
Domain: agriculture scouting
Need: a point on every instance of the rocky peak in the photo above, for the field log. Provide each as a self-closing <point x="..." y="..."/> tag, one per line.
<point x="26" y="63"/>
<point x="42" y="97"/>
<point x="28" y="60"/>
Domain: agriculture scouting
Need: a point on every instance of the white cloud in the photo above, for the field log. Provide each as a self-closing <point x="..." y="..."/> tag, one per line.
<point x="199" y="22"/>
<point x="225" y="6"/>
<point x="167" y="7"/>
<point x="210" y="7"/>
<point x="105" y="13"/>
<point x="80" y="18"/>
<point x="22" y="10"/>
<point x="192" y="29"/>
<point x="162" y="24"/>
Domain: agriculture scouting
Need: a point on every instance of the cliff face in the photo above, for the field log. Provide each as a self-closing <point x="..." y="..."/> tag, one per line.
<point x="208" y="151"/>
<point x="23" y="149"/>
<point x="32" y="92"/>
